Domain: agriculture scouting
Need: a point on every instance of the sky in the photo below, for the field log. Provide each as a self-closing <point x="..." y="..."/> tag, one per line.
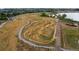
<point x="38" y="3"/>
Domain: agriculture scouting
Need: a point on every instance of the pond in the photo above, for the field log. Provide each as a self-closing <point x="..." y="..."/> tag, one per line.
<point x="74" y="16"/>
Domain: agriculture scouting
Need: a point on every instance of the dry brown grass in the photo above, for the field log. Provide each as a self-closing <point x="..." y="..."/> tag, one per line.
<point x="41" y="31"/>
<point x="8" y="33"/>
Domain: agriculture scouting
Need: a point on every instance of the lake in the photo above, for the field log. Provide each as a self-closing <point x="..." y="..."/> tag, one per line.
<point x="74" y="16"/>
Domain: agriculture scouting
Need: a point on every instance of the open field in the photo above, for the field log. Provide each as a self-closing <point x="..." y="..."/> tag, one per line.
<point x="42" y="31"/>
<point x="71" y="37"/>
<point x="39" y="29"/>
<point x="8" y="33"/>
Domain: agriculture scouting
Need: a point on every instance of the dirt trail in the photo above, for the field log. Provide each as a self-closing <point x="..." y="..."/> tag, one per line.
<point x="58" y="35"/>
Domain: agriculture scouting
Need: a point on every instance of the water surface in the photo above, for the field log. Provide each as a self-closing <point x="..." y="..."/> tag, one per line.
<point x="74" y="16"/>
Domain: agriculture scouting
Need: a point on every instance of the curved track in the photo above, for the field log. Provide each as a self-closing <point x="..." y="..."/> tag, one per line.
<point x="29" y="42"/>
<point x="57" y="35"/>
<point x="57" y="47"/>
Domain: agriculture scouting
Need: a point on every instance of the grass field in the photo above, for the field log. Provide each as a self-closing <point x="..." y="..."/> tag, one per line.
<point x="8" y="33"/>
<point x="71" y="37"/>
<point x="42" y="31"/>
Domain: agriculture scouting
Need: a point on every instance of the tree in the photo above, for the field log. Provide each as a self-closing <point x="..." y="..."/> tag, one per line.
<point x="44" y="14"/>
<point x="64" y="16"/>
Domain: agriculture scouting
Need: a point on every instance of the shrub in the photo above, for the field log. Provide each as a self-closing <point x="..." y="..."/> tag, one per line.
<point x="44" y="14"/>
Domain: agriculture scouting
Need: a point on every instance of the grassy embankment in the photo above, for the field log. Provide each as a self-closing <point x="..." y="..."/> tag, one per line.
<point x="71" y="37"/>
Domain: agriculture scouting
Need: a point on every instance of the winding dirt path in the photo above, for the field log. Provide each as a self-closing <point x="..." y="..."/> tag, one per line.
<point x="29" y="42"/>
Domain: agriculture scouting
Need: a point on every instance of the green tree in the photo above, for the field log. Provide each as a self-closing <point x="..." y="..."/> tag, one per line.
<point x="44" y="14"/>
